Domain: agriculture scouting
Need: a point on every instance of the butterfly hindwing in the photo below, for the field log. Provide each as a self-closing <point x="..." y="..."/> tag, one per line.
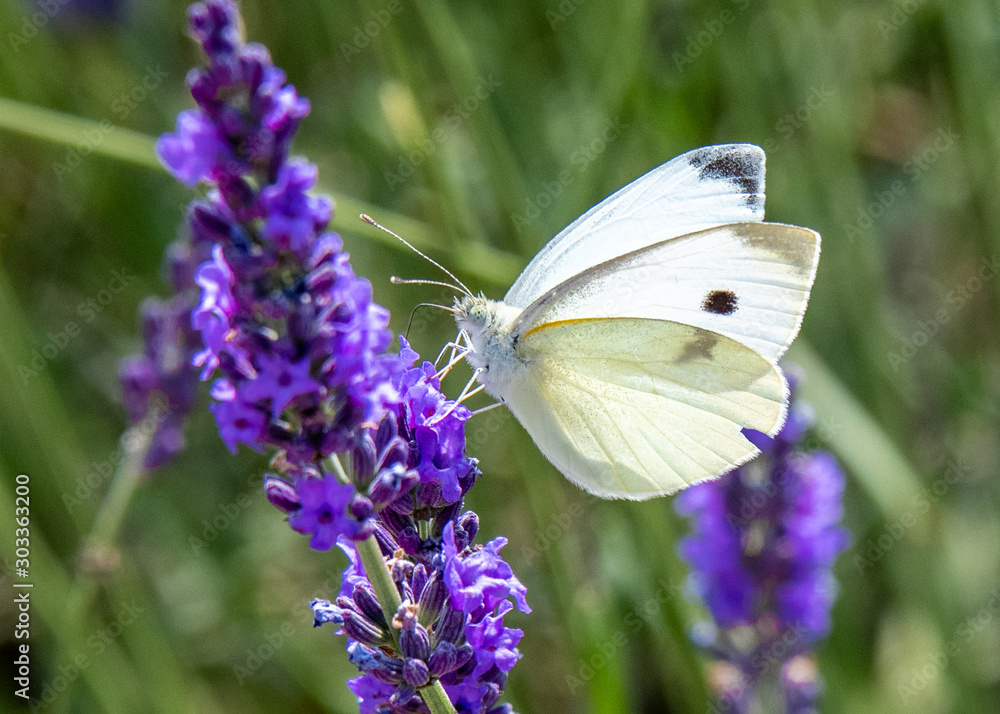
<point x="632" y="408"/>
<point x="702" y="188"/>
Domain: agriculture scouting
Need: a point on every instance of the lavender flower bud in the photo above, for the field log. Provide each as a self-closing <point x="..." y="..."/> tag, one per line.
<point x="405" y="591"/>
<point x="366" y="601"/>
<point x="322" y="279"/>
<point x="389" y="670"/>
<point x="360" y="628"/>
<point x="414" y="640"/>
<point x="450" y="625"/>
<point x="386" y="542"/>
<point x="363" y="457"/>
<point x="419" y="580"/>
<point x="281" y="494"/>
<point x="464" y="654"/>
<point x="443" y="659"/>
<point x="415" y="673"/>
<point x="390" y="483"/>
<point x="491" y="696"/>
<point x="469" y="522"/>
<point x="432" y="599"/>
<point x="395" y="452"/>
<point x="362" y="508"/>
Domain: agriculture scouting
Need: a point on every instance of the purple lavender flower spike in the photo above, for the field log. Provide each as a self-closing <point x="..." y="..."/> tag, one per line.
<point x="764" y="542"/>
<point x="369" y="454"/>
<point x="162" y="375"/>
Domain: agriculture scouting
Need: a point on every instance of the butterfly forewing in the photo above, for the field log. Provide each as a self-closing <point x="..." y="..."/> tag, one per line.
<point x="702" y="188"/>
<point x="747" y="281"/>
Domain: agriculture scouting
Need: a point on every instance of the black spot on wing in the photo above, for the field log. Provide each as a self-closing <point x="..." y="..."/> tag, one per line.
<point x="720" y="302"/>
<point x="741" y="168"/>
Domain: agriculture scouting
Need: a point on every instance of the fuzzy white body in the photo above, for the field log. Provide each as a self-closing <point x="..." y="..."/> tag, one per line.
<point x="493" y="345"/>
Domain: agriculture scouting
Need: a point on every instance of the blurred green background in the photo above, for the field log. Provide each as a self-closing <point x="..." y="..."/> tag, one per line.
<point x="478" y="130"/>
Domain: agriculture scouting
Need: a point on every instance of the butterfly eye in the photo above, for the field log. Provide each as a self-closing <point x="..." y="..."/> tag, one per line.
<point x="477" y="314"/>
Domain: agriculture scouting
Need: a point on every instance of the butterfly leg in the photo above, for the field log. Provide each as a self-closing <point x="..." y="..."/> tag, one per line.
<point x="453" y="346"/>
<point x="486" y="409"/>
<point x="461" y="342"/>
<point x="466" y="393"/>
<point x="457" y="356"/>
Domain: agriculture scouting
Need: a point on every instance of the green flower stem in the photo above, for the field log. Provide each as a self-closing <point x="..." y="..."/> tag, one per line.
<point x="332" y="463"/>
<point x="371" y="557"/>
<point x="437" y="699"/>
<point x="381" y="580"/>
<point x="98" y="544"/>
<point x="111" y="514"/>
<point x="388" y="596"/>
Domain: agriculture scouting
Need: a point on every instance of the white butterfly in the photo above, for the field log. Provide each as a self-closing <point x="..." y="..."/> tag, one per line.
<point x="643" y="338"/>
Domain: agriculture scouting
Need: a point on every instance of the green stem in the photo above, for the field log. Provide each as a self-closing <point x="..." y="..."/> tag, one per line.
<point x="48" y="125"/>
<point x="332" y="463"/>
<point x="371" y="556"/>
<point x="483" y="261"/>
<point x="111" y="514"/>
<point x="104" y="532"/>
<point x="437" y="699"/>
<point x="388" y="596"/>
<point x="381" y="580"/>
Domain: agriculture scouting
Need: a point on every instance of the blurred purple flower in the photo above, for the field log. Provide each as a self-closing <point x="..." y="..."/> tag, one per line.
<point x="195" y="151"/>
<point x="293" y="216"/>
<point x="764" y="541"/>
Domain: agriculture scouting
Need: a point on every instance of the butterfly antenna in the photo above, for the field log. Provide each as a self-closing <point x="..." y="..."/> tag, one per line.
<point x="407" y="281"/>
<point x="368" y="219"/>
<point x="413" y="312"/>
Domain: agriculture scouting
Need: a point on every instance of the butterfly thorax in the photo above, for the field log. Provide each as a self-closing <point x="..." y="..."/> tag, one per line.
<point x="488" y="323"/>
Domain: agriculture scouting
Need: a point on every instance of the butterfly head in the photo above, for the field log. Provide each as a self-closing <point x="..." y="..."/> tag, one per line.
<point x="487" y="327"/>
<point x="474" y="314"/>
